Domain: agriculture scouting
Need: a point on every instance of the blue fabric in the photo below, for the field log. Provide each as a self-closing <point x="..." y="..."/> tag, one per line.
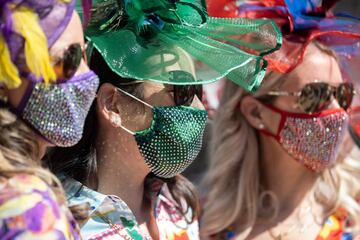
<point x="306" y="14"/>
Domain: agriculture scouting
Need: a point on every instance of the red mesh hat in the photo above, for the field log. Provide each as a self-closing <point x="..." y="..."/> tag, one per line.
<point x="301" y="22"/>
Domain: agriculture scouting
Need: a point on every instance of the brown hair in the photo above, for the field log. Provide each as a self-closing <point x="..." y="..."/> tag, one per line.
<point x="19" y="152"/>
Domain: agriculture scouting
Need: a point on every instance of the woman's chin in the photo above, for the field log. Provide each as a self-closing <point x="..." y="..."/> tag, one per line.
<point x="43" y="146"/>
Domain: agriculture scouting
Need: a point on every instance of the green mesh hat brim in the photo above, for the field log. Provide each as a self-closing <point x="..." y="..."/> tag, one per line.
<point x="218" y="48"/>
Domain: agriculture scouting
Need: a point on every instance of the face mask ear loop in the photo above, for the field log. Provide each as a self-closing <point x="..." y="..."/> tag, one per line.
<point x="127" y="130"/>
<point x="281" y="123"/>
<point x="128" y="94"/>
<point x="146" y="104"/>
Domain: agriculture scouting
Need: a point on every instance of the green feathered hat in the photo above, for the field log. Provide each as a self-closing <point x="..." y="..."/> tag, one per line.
<point x="152" y="40"/>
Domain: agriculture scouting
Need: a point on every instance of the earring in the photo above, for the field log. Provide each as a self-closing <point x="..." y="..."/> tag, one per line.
<point x="116" y="120"/>
<point x="261" y="126"/>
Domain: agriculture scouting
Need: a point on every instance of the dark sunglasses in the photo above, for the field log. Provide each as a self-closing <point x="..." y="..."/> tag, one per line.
<point x="314" y="97"/>
<point x="66" y="66"/>
<point x="184" y="94"/>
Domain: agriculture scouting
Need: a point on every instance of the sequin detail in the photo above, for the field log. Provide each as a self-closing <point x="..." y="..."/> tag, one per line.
<point x="314" y="142"/>
<point x="58" y="111"/>
<point x="174" y="139"/>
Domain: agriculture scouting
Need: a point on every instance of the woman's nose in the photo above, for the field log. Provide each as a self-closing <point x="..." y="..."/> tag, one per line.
<point x="196" y="103"/>
<point x="333" y="104"/>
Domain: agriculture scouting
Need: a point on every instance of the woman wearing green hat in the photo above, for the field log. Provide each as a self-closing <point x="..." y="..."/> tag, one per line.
<point x="122" y="180"/>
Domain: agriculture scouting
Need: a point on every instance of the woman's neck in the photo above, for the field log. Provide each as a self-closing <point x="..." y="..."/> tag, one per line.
<point x="292" y="185"/>
<point x="121" y="172"/>
<point x="282" y="175"/>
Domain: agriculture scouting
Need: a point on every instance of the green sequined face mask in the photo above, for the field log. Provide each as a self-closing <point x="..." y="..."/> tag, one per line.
<point x="173" y="140"/>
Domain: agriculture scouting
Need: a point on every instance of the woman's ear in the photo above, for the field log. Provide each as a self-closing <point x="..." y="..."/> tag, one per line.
<point x="106" y="102"/>
<point x="252" y="109"/>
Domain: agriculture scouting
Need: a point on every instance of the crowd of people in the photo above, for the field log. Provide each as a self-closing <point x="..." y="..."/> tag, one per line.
<point x="105" y="104"/>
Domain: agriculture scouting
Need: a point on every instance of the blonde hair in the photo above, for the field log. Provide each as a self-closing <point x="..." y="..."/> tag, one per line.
<point x="19" y="153"/>
<point x="233" y="180"/>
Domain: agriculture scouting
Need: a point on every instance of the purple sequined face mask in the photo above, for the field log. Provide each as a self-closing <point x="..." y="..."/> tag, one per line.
<point x="311" y="139"/>
<point x="58" y="111"/>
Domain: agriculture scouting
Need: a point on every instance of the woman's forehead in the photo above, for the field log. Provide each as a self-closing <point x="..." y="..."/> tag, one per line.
<point x="317" y="66"/>
<point x="72" y="34"/>
<point x="153" y="86"/>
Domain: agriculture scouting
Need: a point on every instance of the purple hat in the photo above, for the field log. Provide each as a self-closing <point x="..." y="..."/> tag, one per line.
<point x="28" y="28"/>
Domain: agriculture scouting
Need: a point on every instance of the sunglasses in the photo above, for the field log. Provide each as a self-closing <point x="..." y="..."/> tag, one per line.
<point x="314" y="97"/>
<point x="66" y="66"/>
<point x="184" y="94"/>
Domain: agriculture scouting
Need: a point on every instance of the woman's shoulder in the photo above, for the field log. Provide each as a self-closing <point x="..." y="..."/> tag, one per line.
<point x="29" y="210"/>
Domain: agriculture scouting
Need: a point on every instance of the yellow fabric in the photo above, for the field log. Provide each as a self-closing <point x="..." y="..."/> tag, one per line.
<point x="9" y="74"/>
<point x="19" y="205"/>
<point x="26" y="23"/>
<point x="331" y="224"/>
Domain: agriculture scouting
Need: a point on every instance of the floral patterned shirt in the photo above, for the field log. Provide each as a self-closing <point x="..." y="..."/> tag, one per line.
<point x="108" y="217"/>
<point x="29" y="210"/>
<point x="334" y="228"/>
<point x="337" y="226"/>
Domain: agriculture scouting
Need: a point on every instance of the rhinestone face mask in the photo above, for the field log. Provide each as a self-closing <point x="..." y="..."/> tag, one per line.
<point x="58" y="111"/>
<point x="173" y="140"/>
<point x="311" y="139"/>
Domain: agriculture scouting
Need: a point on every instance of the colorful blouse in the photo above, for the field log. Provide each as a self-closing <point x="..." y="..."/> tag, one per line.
<point x="333" y="229"/>
<point x="29" y="210"/>
<point x="108" y="217"/>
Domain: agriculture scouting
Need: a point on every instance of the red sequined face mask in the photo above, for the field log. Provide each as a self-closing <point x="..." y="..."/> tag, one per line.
<point x="311" y="139"/>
